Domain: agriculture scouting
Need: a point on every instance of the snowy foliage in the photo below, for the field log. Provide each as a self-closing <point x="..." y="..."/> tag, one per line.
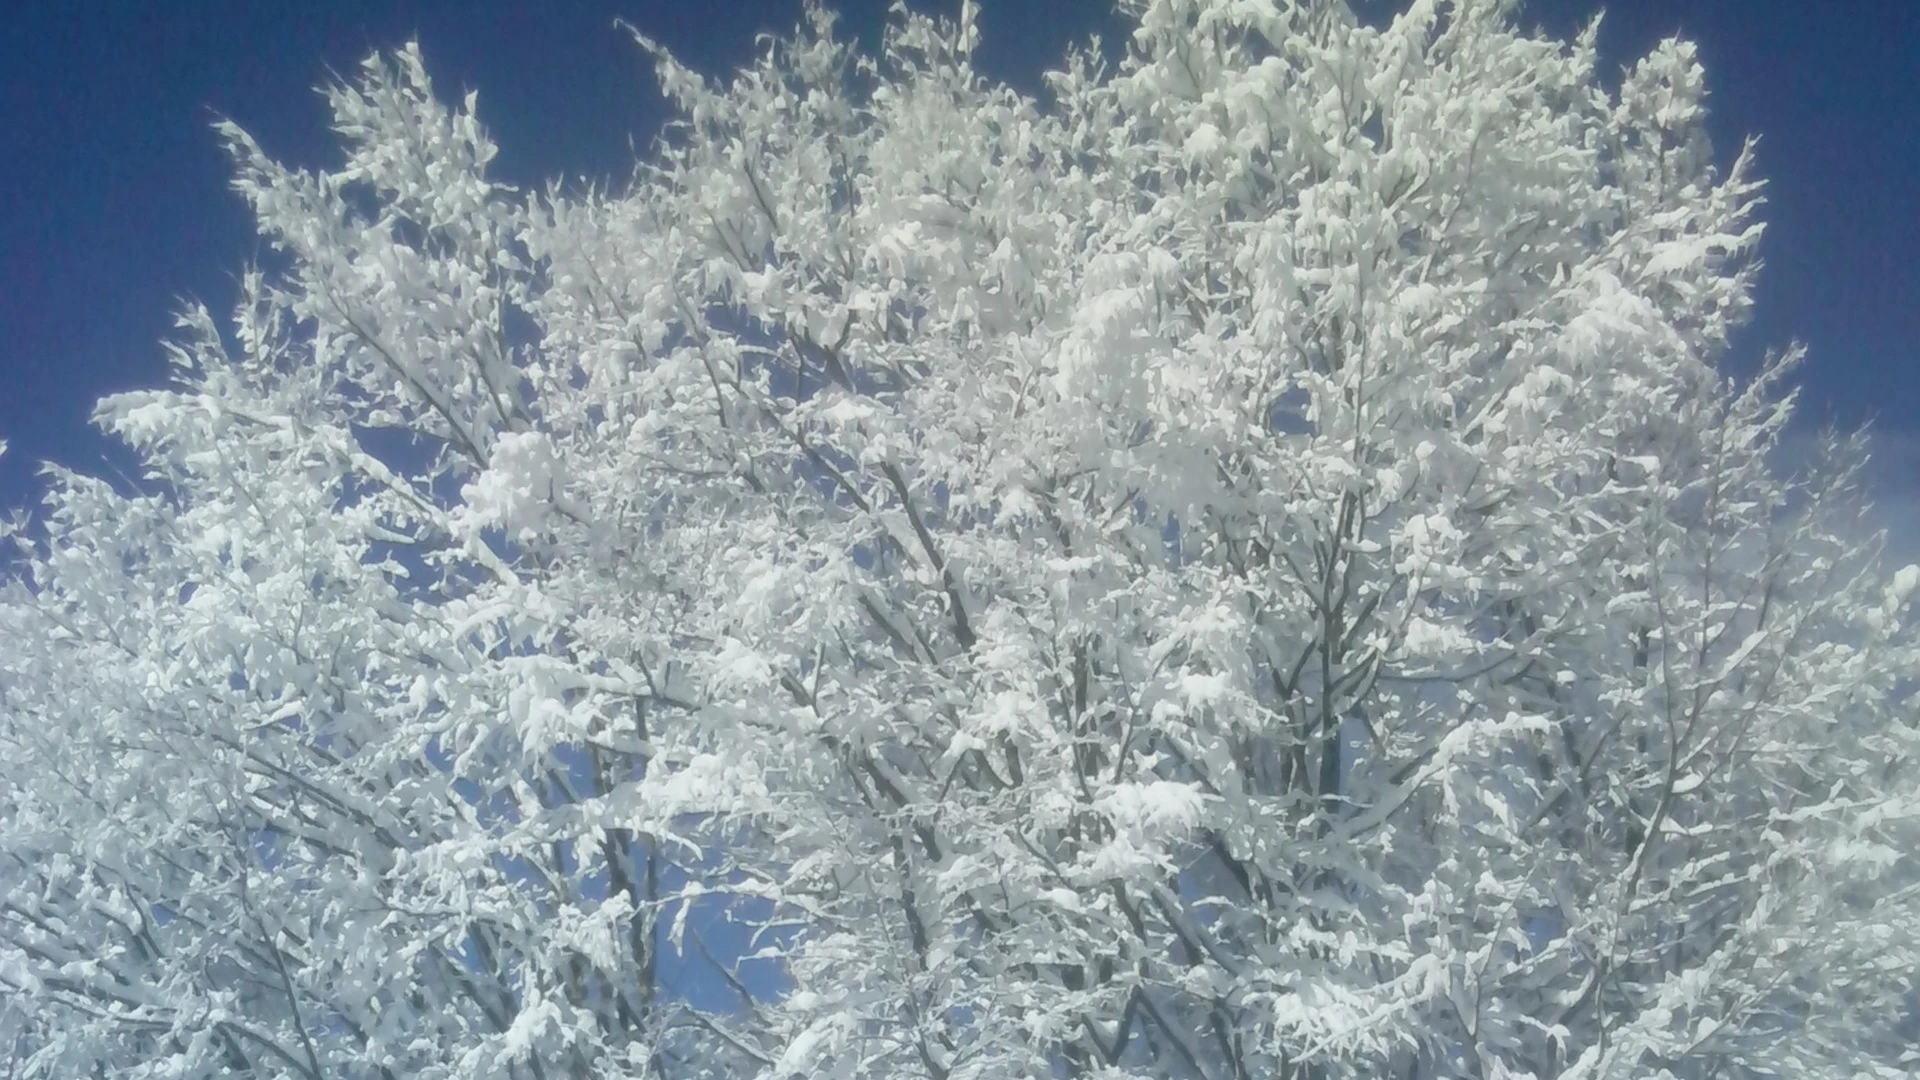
<point x="1244" y="567"/>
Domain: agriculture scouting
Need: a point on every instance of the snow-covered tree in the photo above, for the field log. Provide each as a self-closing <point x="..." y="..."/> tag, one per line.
<point x="1244" y="567"/>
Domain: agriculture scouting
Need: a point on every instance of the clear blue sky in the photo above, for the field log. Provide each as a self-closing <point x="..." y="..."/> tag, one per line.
<point x="114" y="199"/>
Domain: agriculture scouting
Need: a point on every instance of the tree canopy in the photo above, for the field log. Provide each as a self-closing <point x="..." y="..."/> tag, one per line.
<point x="1249" y="565"/>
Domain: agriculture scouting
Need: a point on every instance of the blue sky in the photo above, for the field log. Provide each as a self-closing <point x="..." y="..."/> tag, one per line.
<point x="114" y="199"/>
